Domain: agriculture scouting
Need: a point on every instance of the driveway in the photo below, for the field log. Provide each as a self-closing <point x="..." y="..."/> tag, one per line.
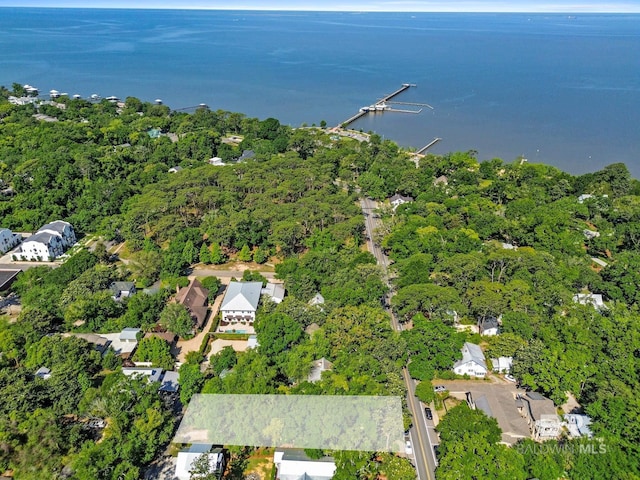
<point x="193" y="345"/>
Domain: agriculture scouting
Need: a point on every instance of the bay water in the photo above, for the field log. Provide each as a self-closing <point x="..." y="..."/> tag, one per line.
<point x="556" y="89"/>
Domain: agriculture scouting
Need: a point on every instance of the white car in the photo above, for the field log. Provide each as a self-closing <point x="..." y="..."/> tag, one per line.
<point x="510" y="378"/>
<point x="407" y="448"/>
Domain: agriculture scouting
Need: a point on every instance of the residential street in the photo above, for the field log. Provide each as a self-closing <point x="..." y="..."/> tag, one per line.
<point x="423" y="435"/>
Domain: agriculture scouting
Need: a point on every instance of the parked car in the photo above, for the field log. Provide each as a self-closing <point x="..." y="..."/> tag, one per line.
<point x="439" y="388"/>
<point x="510" y="378"/>
<point x="407" y="448"/>
<point x="427" y="412"/>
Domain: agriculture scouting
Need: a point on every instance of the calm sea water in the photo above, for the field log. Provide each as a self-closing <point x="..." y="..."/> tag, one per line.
<point x="557" y="89"/>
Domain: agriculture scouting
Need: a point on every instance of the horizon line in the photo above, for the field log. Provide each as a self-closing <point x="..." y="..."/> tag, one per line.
<point x="330" y="10"/>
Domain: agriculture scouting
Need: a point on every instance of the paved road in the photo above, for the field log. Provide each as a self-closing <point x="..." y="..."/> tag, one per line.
<point x="422" y="433"/>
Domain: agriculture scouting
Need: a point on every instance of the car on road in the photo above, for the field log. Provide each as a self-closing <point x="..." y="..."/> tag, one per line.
<point x="510" y="378"/>
<point x="407" y="448"/>
<point x="428" y="414"/>
<point x="439" y="388"/>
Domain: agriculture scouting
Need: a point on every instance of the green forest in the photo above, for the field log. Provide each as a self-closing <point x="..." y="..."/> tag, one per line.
<point x="104" y="168"/>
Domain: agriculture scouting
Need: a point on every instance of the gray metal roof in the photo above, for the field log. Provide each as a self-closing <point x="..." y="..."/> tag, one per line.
<point x="242" y="296"/>
<point x="57" y="226"/>
<point x="43" y="237"/>
<point x="472" y="353"/>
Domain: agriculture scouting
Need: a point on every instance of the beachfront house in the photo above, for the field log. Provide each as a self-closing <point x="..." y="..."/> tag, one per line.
<point x="239" y="305"/>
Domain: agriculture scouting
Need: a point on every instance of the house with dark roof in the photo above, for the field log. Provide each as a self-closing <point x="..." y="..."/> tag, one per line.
<point x="472" y="362"/>
<point x="194" y="298"/>
<point x="489" y="326"/>
<point x="47" y="243"/>
<point x="121" y="290"/>
<point x="246" y="155"/>
<point x="100" y="343"/>
<point x="541" y="415"/>
<point x="398" y="200"/>
<point x="7" y="277"/>
<point x="239" y="305"/>
<point x="63" y="229"/>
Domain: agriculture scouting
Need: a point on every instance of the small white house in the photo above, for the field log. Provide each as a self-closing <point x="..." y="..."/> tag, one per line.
<point x="489" y="326"/>
<point x="472" y="363"/>
<point x="295" y="465"/>
<point x="593" y="299"/>
<point x="398" y="200"/>
<point x="216" y="162"/>
<point x="275" y="291"/>
<point x="8" y="240"/>
<point x="502" y="364"/>
<point x="185" y="461"/>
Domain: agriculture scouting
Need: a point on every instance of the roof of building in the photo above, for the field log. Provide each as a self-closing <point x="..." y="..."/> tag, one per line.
<point x="129" y="333"/>
<point x="296" y="465"/>
<point x="7" y="277"/>
<point x="154" y="374"/>
<point x="275" y="291"/>
<point x="194" y="297"/>
<point x="318" y="367"/>
<point x="118" y="287"/>
<point x="594" y="299"/>
<point x="487" y="323"/>
<point x="539" y="406"/>
<point x="101" y="343"/>
<point x="471" y="353"/>
<point x="247" y="155"/>
<point x="56" y="226"/>
<point x="175" y="169"/>
<point x="42" y="372"/>
<point x="242" y="296"/>
<point x="317" y="299"/>
<point x="168" y="337"/>
<point x="502" y="364"/>
<point x="252" y="341"/>
<point x="170" y="382"/>
<point x="397" y="198"/>
<point x="43" y="237"/>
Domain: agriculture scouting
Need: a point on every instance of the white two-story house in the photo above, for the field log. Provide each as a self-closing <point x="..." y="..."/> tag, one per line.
<point x="48" y="243"/>
<point x="238" y="309"/>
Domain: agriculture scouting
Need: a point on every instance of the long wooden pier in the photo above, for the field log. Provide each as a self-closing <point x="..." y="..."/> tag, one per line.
<point x="380" y="105"/>
<point x="428" y="145"/>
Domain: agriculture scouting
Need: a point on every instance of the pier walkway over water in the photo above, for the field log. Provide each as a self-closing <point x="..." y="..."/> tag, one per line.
<point x="381" y="105"/>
